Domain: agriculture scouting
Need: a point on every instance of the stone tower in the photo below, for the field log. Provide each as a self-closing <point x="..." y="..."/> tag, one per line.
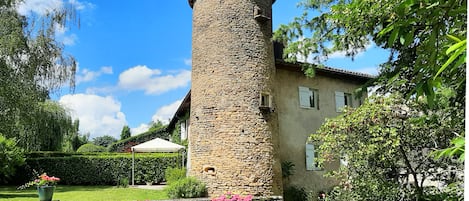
<point x="234" y="129"/>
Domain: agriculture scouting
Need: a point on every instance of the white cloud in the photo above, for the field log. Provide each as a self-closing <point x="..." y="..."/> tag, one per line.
<point x="80" y="5"/>
<point x="166" y="112"/>
<point x="98" y="115"/>
<point x="39" y="7"/>
<point x="152" y="81"/>
<point x="87" y="75"/>
<point x="43" y="7"/>
<point x="368" y="70"/>
<point x="341" y="54"/>
<point x="69" y="40"/>
<point x="140" y="129"/>
<point x="188" y="62"/>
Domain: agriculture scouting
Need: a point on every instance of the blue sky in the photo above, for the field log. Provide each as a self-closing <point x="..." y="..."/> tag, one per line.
<point x="134" y="59"/>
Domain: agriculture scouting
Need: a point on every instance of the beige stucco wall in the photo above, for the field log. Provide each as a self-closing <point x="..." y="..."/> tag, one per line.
<point x="296" y="123"/>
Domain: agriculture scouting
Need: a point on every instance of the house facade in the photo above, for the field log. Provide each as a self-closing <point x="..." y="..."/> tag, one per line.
<point x="249" y="111"/>
<point x="302" y="104"/>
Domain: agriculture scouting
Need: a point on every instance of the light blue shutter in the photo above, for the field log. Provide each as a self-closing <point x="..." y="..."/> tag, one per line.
<point x="305" y="96"/>
<point x="339" y="101"/>
<point x="310" y="165"/>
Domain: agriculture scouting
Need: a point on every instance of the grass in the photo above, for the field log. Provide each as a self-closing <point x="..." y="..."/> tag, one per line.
<point x="80" y="193"/>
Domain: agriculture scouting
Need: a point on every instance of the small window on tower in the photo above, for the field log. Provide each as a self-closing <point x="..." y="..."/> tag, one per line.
<point x="265" y="101"/>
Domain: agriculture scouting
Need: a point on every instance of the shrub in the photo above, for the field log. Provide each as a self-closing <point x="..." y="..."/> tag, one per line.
<point x="174" y="174"/>
<point x="11" y="157"/>
<point x="99" y="169"/>
<point x="91" y="148"/>
<point x="186" y="188"/>
<point x="293" y="193"/>
<point x="123" y="182"/>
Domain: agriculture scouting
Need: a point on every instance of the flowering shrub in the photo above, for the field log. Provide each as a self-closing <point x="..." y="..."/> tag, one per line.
<point x="42" y="180"/>
<point x="232" y="197"/>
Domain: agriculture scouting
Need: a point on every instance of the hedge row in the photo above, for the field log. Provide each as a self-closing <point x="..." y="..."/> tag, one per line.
<point x="100" y="169"/>
<point x="125" y="144"/>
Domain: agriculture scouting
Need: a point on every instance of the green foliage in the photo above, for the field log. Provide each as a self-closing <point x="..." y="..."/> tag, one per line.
<point x="158" y="125"/>
<point x="293" y="193"/>
<point x="97" y="169"/>
<point x="422" y="36"/>
<point x="125" y="133"/>
<point x="91" y="148"/>
<point x="11" y="156"/>
<point x="53" y="123"/>
<point x="174" y="174"/>
<point x="126" y="144"/>
<point x="186" y="188"/>
<point x="386" y="143"/>
<point x="123" y="182"/>
<point x="32" y="65"/>
<point x="288" y="169"/>
<point x="104" y="141"/>
<point x="456" y="150"/>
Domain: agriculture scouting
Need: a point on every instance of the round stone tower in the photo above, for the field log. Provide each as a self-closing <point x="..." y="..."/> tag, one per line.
<point x="234" y="129"/>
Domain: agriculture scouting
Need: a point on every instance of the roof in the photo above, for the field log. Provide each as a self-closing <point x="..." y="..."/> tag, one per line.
<point x="157" y="145"/>
<point x="181" y="111"/>
<point x="326" y="71"/>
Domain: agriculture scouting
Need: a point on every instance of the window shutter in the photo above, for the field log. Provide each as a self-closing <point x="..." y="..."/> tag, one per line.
<point x="305" y="96"/>
<point x="310" y="157"/>
<point x="339" y="101"/>
<point x="183" y="130"/>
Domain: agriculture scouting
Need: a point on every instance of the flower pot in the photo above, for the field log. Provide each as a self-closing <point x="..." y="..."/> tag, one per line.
<point x="45" y="192"/>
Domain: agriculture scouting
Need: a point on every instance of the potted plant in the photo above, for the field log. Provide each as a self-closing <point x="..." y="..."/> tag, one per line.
<point x="45" y="186"/>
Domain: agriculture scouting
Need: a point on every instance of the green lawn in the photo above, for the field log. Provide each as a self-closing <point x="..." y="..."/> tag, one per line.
<point x="84" y="193"/>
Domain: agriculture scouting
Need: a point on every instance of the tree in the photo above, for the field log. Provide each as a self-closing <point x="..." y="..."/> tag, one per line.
<point x="385" y="143"/>
<point x="125" y="132"/>
<point x="32" y="64"/>
<point x="74" y="139"/>
<point x="426" y="40"/>
<point x="86" y="148"/>
<point x="417" y="33"/>
<point x="156" y="125"/>
<point x="104" y="141"/>
<point x="11" y="156"/>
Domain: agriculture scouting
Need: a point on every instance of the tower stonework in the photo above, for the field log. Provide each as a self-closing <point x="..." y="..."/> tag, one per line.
<point x="234" y="129"/>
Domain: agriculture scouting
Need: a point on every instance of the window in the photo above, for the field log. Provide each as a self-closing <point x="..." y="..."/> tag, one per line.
<point x="265" y="100"/>
<point x="311" y="158"/>
<point x="308" y="97"/>
<point x="184" y="126"/>
<point x="341" y="100"/>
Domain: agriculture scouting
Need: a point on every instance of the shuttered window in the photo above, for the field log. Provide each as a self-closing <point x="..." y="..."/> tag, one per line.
<point x="308" y="97"/>
<point x="341" y="100"/>
<point x="311" y="158"/>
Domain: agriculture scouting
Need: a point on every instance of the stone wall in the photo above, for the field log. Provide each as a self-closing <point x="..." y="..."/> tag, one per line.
<point x="232" y="141"/>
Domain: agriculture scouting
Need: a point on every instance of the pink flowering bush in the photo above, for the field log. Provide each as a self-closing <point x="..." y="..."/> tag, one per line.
<point x="232" y="197"/>
<point x="42" y="180"/>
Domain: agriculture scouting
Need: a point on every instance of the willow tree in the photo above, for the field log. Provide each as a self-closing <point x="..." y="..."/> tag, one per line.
<point x="32" y="65"/>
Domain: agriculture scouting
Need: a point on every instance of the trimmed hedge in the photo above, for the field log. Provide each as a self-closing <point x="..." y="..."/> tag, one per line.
<point x="125" y="144"/>
<point x="87" y="148"/>
<point x="100" y="169"/>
